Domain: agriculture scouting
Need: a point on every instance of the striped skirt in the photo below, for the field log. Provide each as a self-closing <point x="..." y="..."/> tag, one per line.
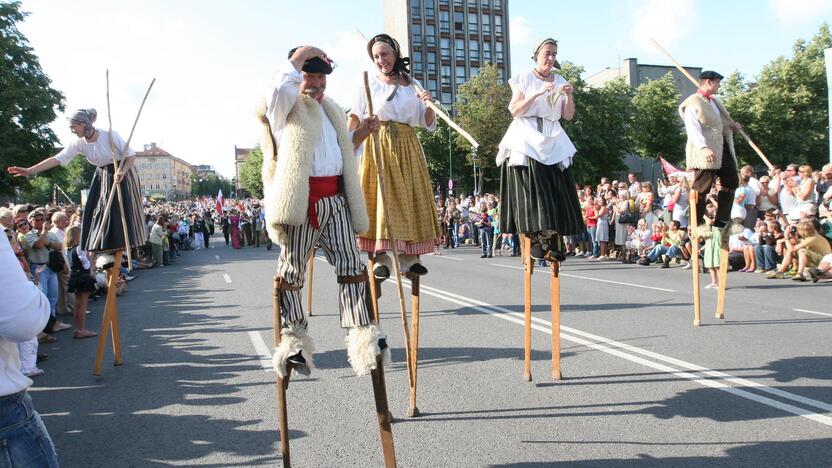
<point x="412" y="207"/>
<point x="104" y="231"/>
<point x="537" y="198"/>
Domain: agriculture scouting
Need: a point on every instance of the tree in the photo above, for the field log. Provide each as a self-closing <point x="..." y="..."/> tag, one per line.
<point x="786" y="113"/>
<point x="600" y="129"/>
<point x="656" y="126"/>
<point x="251" y="177"/>
<point x="27" y="102"/>
<point x="482" y="109"/>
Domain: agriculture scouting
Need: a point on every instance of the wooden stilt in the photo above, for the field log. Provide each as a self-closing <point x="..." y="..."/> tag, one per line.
<point x="723" y="278"/>
<point x="412" y="410"/>
<point x="311" y="268"/>
<point x="109" y="321"/>
<point x="383" y="413"/>
<point x="280" y="385"/>
<point x="528" y="264"/>
<point x="693" y="198"/>
<point x="554" y="284"/>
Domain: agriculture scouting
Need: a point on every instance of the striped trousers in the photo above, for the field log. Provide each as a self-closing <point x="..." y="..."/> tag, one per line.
<point x="337" y="240"/>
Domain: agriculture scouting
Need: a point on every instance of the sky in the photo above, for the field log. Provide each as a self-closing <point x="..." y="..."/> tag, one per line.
<point x="213" y="60"/>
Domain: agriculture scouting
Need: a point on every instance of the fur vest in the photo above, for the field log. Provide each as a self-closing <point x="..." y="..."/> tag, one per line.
<point x="287" y="163"/>
<point x="715" y="128"/>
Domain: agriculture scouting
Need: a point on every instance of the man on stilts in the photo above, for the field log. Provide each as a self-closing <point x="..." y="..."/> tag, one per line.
<point x="710" y="153"/>
<point x="313" y="196"/>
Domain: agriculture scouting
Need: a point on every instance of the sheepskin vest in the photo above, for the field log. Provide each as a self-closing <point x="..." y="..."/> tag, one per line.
<point x="287" y="164"/>
<point x="715" y="128"/>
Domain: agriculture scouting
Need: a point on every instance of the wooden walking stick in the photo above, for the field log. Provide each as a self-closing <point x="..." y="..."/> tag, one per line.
<point x="380" y="393"/>
<point x="554" y="285"/>
<point x="311" y="268"/>
<point x="693" y="198"/>
<point x="379" y="161"/>
<point x="280" y="383"/>
<point x="722" y="109"/>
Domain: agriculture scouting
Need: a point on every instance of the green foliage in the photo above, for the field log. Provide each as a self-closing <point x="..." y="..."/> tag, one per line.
<point x="209" y="186"/>
<point x="786" y="113"/>
<point x="482" y="109"/>
<point x="27" y="102"/>
<point x="440" y="148"/>
<point x="251" y="177"/>
<point x="600" y="129"/>
<point x="656" y="126"/>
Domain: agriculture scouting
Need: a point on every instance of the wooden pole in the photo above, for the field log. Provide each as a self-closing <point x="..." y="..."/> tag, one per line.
<point x="311" y="268"/>
<point x="390" y="231"/>
<point x="412" y="409"/>
<point x="554" y="284"/>
<point x="383" y="414"/>
<point x="126" y="145"/>
<point x="280" y="385"/>
<point x="528" y="264"/>
<point x="719" y="104"/>
<point x="108" y="323"/>
<point x="693" y="198"/>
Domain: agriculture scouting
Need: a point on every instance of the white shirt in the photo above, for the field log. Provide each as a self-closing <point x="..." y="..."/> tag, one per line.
<point x="694" y="128"/>
<point x="280" y="98"/>
<point x="404" y="106"/>
<point x="23" y="313"/>
<point x="99" y="152"/>
<point x="765" y="204"/>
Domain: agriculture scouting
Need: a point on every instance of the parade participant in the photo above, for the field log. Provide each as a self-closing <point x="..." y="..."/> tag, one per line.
<point x="312" y="196"/>
<point x="97" y="146"/>
<point x="535" y="157"/>
<point x="710" y="151"/>
<point x="400" y="109"/>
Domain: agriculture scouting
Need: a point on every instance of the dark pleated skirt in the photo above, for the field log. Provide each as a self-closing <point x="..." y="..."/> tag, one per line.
<point x="112" y="236"/>
<point x="538" y="197"/>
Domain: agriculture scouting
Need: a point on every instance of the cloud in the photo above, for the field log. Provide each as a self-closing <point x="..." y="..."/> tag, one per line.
<point x="667" y="21"/>
<point x="349" y="51"/>
<point x="793" y="12"/>
<point x="520" y="30"/>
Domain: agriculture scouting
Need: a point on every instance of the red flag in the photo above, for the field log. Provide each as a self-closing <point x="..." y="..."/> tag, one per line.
<point x="220" y="202"/>
<point x="668" y="168"/>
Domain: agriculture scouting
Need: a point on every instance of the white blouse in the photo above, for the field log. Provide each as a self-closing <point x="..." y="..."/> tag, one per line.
<point x="392" y="103"/>
<point x="98" y="152"/>
<point x="525" y="138"/>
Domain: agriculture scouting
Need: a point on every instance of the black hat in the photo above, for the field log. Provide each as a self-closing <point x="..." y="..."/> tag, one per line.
<point x="710" y="75"/>
<point x="314" y="65"/>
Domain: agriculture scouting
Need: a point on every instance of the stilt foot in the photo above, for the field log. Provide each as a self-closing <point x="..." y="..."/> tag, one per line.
<point x="696" y="323"/>
<point x="557" y="375"/>
<point x="527" y="377"/>
<point x="119" y="362"/>
<point x="413" y="412"/>
<point x="720" y="316"/>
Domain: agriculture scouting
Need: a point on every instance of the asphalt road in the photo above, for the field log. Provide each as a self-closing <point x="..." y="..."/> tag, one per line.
<point x="642" y="386"/>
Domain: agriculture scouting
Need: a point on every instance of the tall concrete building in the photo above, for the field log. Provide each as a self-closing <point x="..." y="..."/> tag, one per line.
<point x="449" y="40"/>
<point x="163" y="174"/>
<point x="635" y="74"/>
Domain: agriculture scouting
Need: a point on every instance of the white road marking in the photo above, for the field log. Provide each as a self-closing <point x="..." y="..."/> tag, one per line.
<point x="699" y="373"/>
<point x="812" y="312"/>
<point x="590" y="278"/>
<point x="449" y="257"/>
<point x="262" y="350"/>
<point x="226" y="278"/>
<point x="217" y="257"/>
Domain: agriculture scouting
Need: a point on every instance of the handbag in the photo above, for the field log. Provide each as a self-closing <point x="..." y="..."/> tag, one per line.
<point x="56" y="261"/>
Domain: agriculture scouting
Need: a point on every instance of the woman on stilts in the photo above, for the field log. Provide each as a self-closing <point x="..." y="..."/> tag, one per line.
<point x="537" y="188"/>
<point x="101" y="232"/>
<point x="400" y="109"/>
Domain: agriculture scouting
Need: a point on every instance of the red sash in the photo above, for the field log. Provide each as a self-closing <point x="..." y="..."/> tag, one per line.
<point x="320" y="187"/>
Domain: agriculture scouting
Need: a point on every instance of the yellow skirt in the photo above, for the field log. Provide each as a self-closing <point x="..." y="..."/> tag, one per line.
<point x="411" y="203"/>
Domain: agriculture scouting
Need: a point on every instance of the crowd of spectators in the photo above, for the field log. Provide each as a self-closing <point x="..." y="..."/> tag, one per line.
<point x="786" y="218"/>
<point x="46" y="242"/>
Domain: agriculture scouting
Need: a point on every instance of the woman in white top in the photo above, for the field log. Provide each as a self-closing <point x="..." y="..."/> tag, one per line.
<point x="535" y="157"/>
<point x="400" y="109"/>
<point x="97" y="146"/>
